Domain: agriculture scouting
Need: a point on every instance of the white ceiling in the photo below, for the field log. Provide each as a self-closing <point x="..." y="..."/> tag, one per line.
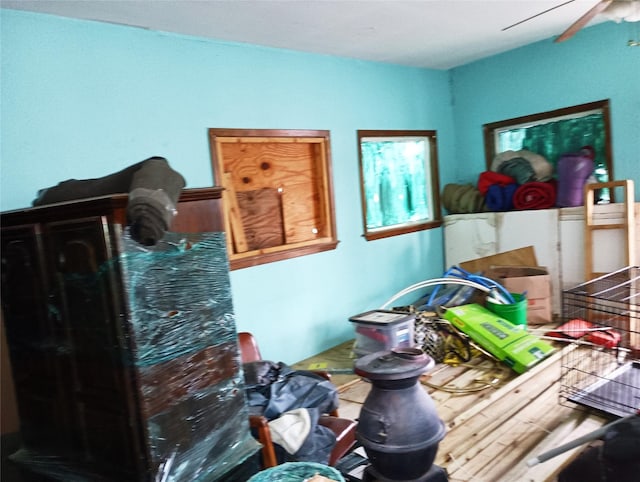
<point x="438" y="34"/>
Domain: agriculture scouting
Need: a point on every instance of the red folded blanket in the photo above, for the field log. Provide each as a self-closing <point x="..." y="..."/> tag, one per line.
<point x="489" y="178"/>
<point x="535" y="195"/>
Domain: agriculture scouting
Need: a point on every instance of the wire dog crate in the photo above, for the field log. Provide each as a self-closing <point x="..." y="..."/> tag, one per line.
<point x="603" y="370"/>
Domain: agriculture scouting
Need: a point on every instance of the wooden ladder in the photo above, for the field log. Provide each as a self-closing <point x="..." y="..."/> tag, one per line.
<point x="627" y="224"/>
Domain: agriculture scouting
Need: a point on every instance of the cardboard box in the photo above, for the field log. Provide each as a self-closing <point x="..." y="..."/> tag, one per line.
<point x="507" y="342"/>
<point x="535" y="281"/>
<point x="516" y="257"/>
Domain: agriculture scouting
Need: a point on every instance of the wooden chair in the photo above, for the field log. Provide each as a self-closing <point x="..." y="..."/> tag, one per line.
<point x="344" y="429"/>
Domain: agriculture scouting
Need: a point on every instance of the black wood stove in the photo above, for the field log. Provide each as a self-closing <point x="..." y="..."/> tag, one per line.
<point x="399" y="427"/>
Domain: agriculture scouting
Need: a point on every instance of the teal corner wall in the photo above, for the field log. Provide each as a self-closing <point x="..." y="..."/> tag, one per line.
<point x="595" y="64"/>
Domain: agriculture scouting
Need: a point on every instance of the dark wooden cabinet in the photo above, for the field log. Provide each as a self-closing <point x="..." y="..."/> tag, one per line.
<point x="124" y="356"/>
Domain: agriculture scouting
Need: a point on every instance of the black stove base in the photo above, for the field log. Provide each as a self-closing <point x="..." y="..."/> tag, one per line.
<point x="355" y="467"/>
<point x="435" y="474"/>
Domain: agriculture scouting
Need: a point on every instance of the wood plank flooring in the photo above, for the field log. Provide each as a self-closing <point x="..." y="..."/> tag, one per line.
<point x="496" y="420"/>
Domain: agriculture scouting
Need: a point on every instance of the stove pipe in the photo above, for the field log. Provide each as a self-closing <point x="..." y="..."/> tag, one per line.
<point x="398" y="426"/>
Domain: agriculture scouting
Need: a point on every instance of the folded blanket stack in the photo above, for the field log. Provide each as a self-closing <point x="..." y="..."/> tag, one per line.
<point x="497" y="189"/>
<point x="490" y="178"/>
<point x="518" y="180"/>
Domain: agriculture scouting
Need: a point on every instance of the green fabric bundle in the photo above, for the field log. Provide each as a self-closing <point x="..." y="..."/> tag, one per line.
<point x="462" y="199"/>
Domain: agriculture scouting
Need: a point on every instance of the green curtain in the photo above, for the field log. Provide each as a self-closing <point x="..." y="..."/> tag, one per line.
<point x="553" y="139"/>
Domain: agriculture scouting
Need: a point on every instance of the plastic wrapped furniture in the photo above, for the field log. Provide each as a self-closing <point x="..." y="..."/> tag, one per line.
<point x="124" y="357"/>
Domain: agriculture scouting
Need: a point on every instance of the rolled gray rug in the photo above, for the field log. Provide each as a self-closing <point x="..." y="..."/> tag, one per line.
<point x="153" y="188"/>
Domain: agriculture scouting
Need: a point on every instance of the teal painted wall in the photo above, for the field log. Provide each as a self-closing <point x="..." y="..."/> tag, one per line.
<point x="82" y="100"/>
<point x="595" y="64"/>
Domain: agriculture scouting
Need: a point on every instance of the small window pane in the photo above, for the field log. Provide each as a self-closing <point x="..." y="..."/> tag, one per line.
<point x="553" y="138"/>
<point x="399" y="181"/>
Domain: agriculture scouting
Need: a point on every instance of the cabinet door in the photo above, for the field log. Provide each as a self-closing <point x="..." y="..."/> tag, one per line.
<point x="537" y="228"/>
<point x="571" y="232"/>
<point x="88" y="293"/>
<point x="35" y="341"/>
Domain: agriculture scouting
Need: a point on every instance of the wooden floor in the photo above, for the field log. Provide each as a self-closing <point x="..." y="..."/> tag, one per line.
<point x="496" y="420"/>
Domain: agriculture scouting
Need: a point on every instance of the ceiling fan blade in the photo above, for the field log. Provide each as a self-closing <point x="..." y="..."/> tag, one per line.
<point x="537" y="15"/>
<point x="584" y="20"/>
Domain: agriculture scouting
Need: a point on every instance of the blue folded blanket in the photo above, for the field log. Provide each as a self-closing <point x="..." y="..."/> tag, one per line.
<point x="500" y="198"/>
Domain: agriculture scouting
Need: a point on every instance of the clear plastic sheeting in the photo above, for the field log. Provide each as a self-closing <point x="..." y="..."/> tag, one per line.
<point x="182" y="320"/>
<point x="179" y="296"/>
<point x="202" y="436"/>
